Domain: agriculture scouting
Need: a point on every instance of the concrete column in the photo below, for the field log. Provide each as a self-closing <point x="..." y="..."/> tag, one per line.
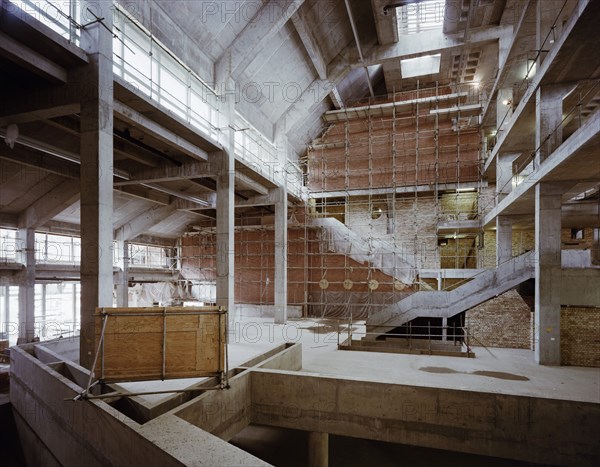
<point x="26" y="281"/>
<point x="318" y="449"/>
<point x="4" y="330"/>
<point x="444" y="329"/>
<point x="548" y="119"/>
<point x="547" y="273"/>
<point x="281" y="249"/>
<point x="503" y="239"/>
<point x="122" y="280"/>
<point x="504" y="174"/>
<point x="225" y="163"/>
<point x="96" y="81"/>
<point x="504" y="107"/>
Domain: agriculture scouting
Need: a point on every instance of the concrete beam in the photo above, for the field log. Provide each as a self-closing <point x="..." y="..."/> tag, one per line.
<point x="430" y="42"/>
<point x="28" y="158"/>
<point x="314" y="94"/>
<point x="133" y="117"/>
<point x="310" y="44"/>
<point x="52" y="203"/>
<point x="9" y="220"/>
<point x="144" y="221"/>
<point x="252" y="40"/>
<point x="179" y="194"/>
<point x="549" y="119"/>
<point x="490" y="424"/>
<point x="170" y="173"/>
<point x="39" y="104"/>
<point x="251" y="183"/>
<point x="262" y="200"/>
<point x="23" y="56"/>
<point x="336" y="98"/>
<point x="183" y="205"/>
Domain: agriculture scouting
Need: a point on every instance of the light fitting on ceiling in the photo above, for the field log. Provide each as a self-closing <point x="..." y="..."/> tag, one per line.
<point x="376" y="213"/>
<point x="507" y="102"/>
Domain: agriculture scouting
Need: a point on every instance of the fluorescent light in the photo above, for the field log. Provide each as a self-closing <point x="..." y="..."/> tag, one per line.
<point x="425" y="65"/>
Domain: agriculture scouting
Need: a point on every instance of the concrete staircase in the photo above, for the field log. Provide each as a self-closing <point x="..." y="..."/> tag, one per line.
<point x="445" y="304"/>
<point x="339" y="238"/>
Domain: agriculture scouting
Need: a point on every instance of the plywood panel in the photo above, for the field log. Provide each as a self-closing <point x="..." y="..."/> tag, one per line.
<point x="190" y="340"/>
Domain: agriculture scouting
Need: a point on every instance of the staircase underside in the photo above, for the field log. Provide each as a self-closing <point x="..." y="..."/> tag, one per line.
<point x="445" y="304"/>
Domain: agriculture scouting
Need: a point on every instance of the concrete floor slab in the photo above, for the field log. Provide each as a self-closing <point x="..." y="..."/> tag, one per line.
<point x="493" y="370"/>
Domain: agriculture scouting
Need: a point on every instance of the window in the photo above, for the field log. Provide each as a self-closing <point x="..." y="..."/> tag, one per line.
<point x="146" y="255"/>
<point x="57" y="248"/>
<point x="420" y="66"/>
<point x="8" y="245"/>
<point x="420" y="17"/>
<point x="577" y="234"/>
<point x="55" y="14"/>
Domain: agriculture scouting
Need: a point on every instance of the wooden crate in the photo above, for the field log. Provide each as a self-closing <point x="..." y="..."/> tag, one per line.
<point x="160" y="343"/>
<point x="3" y="346"/>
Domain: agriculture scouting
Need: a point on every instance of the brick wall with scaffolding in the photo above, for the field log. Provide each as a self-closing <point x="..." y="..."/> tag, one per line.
<point x="383" y="177"/>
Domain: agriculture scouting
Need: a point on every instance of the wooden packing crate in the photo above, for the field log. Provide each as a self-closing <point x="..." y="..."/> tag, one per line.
<point x="132" y="349"/>
<point x="3" y="356"/>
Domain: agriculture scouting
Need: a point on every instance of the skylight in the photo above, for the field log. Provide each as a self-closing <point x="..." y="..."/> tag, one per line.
<point x="419" y="17"/>
<point x="426" y="65"/>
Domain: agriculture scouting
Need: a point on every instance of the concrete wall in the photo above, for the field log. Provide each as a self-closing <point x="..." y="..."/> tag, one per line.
<point x="222" y="413"/>
<point x="75" y="433"/>
<point x="523" y="428"/>
<point x="580" y="336"/>
<point x="579" y="287"/>
<point x="154" y="17"/>
<point x="92" y="433"/>
<point x="226" y="413"/>
<point x="505" y="321"/>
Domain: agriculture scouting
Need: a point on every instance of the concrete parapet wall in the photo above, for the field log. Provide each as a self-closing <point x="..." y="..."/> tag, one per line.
<point x="92" y="433"/>
<point x="76" y="432"/>
<point x="222" y="413"/>
<point x="548" y="431"/>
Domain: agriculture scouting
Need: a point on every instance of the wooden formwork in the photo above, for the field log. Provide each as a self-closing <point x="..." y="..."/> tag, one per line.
<point x="160" y="343"/>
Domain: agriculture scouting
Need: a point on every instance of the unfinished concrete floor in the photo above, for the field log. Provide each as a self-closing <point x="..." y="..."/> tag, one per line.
<point x="504" y="371"/>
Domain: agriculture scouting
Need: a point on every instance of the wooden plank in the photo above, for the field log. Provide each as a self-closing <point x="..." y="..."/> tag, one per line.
<point x="133" y="343"/>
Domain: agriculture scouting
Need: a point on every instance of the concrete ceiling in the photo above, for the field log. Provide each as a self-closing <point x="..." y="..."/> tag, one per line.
<point x="292" y="62"/>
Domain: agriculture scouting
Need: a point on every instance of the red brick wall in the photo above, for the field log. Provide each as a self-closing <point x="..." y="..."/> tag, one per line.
<point x="308" y="264"/>
<point x="378" y="153"/>
<point x="504" y="321"/>
<point x="580" y="336"/>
